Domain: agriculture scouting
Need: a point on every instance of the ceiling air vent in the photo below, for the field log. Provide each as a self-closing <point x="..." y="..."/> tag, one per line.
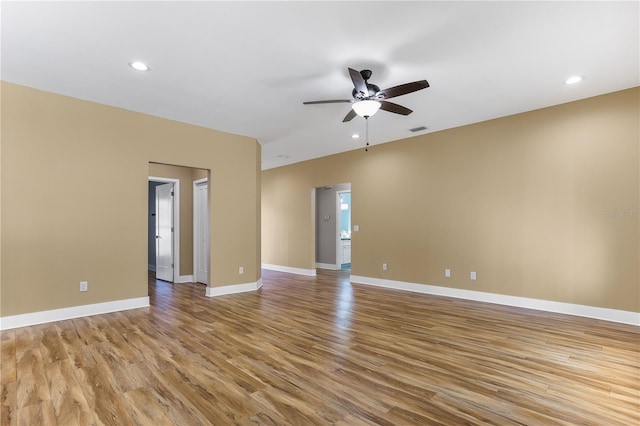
<point x="418" y="129"/>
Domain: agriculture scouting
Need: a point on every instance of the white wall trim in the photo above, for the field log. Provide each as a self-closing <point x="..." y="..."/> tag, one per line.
<point x="330" y="266"/>
<point x="232" y="289"/>
<point x="33" y="318"/>
<point x="184" y="279"/>
<point x="290" y="270"/>
<point x="605" y="314"/>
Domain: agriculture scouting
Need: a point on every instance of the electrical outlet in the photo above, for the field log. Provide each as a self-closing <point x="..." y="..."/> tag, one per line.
<point x="384" y="266"/>
<point x="241" y="270"/>
<point x="447" y="273"/>
<point x="473" y="275"/>
<point x="84" y="286"/>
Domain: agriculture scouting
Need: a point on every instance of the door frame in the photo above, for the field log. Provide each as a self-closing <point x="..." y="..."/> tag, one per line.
<point x="196" y="231"/>
<point x="176" y="222"/>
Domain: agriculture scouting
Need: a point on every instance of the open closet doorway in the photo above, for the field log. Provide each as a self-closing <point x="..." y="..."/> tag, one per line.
<point x="333" y="242"/>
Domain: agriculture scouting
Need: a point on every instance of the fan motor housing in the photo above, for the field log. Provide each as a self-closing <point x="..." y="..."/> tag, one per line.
<point x="372" y="88"/>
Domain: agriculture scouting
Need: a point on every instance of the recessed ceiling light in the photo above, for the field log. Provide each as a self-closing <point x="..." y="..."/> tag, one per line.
<point x="139" y="66"/>
<point x="573" y="79"/>
<point x="355" y="136"/>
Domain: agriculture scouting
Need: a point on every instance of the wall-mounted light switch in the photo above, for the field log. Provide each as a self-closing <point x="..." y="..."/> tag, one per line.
<point x="447" y="273"/>
<point x="241" y="270"/>
<point x="84" y="286"/>
<point x="473" y="275"/>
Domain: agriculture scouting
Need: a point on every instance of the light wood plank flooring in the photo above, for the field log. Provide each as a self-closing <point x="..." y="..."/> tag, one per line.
<point x="319" y="350"/>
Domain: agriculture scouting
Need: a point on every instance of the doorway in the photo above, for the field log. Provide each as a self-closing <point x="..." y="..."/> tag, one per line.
<point x="343" y="219"/>
<point x="163" y="232"/>
<point x="331" y="243"/>
<point x="182" y="178"/>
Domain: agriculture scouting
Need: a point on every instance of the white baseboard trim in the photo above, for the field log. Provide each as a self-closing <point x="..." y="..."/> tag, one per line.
<point x="606" y="314"/>
<point x="232" y="289"/>
<point x="184" y="279"/>
<point x="290" y="270"/>
<point x="330" y="266"/>
<point x="33" y="318"/>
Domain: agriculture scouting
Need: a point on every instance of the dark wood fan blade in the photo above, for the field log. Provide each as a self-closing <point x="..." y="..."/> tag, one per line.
<point x="391" y="107"/>
<point x="403" y="89"/>
<point x="330" y="101"/>
<point x="350" y="116"/>
<point x="358" y="82"/>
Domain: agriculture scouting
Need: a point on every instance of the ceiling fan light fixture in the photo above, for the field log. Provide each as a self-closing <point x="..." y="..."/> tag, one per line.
<point x="366" y="108"/>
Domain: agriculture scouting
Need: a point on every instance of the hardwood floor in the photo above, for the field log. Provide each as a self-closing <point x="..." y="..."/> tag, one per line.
<point x="319" y="350"/>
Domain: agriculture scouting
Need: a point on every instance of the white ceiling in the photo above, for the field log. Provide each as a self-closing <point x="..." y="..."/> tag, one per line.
<point x="246" y="67"/>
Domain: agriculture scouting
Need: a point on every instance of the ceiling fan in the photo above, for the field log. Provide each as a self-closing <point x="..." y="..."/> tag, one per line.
<point x="368" y="98"/>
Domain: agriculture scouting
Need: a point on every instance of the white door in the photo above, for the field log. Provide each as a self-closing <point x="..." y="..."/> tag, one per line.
<point x="164" y="232"/>
<point x="201" y="232"/>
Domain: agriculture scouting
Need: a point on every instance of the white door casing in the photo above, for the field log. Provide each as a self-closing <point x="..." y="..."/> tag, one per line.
<point x="164" y="232"/>
<point x="201" y="231"/>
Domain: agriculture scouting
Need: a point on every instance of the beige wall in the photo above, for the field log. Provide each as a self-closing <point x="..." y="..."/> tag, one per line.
<point x="74" y="199"/>
<point x="1" y="199"/>
<point x="542" y="205"/>
<point x="197" y="174"/>
<point x="186" y="176"/>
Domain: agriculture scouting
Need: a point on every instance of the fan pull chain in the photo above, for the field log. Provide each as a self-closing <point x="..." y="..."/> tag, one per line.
<point x="366" y="119"/>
